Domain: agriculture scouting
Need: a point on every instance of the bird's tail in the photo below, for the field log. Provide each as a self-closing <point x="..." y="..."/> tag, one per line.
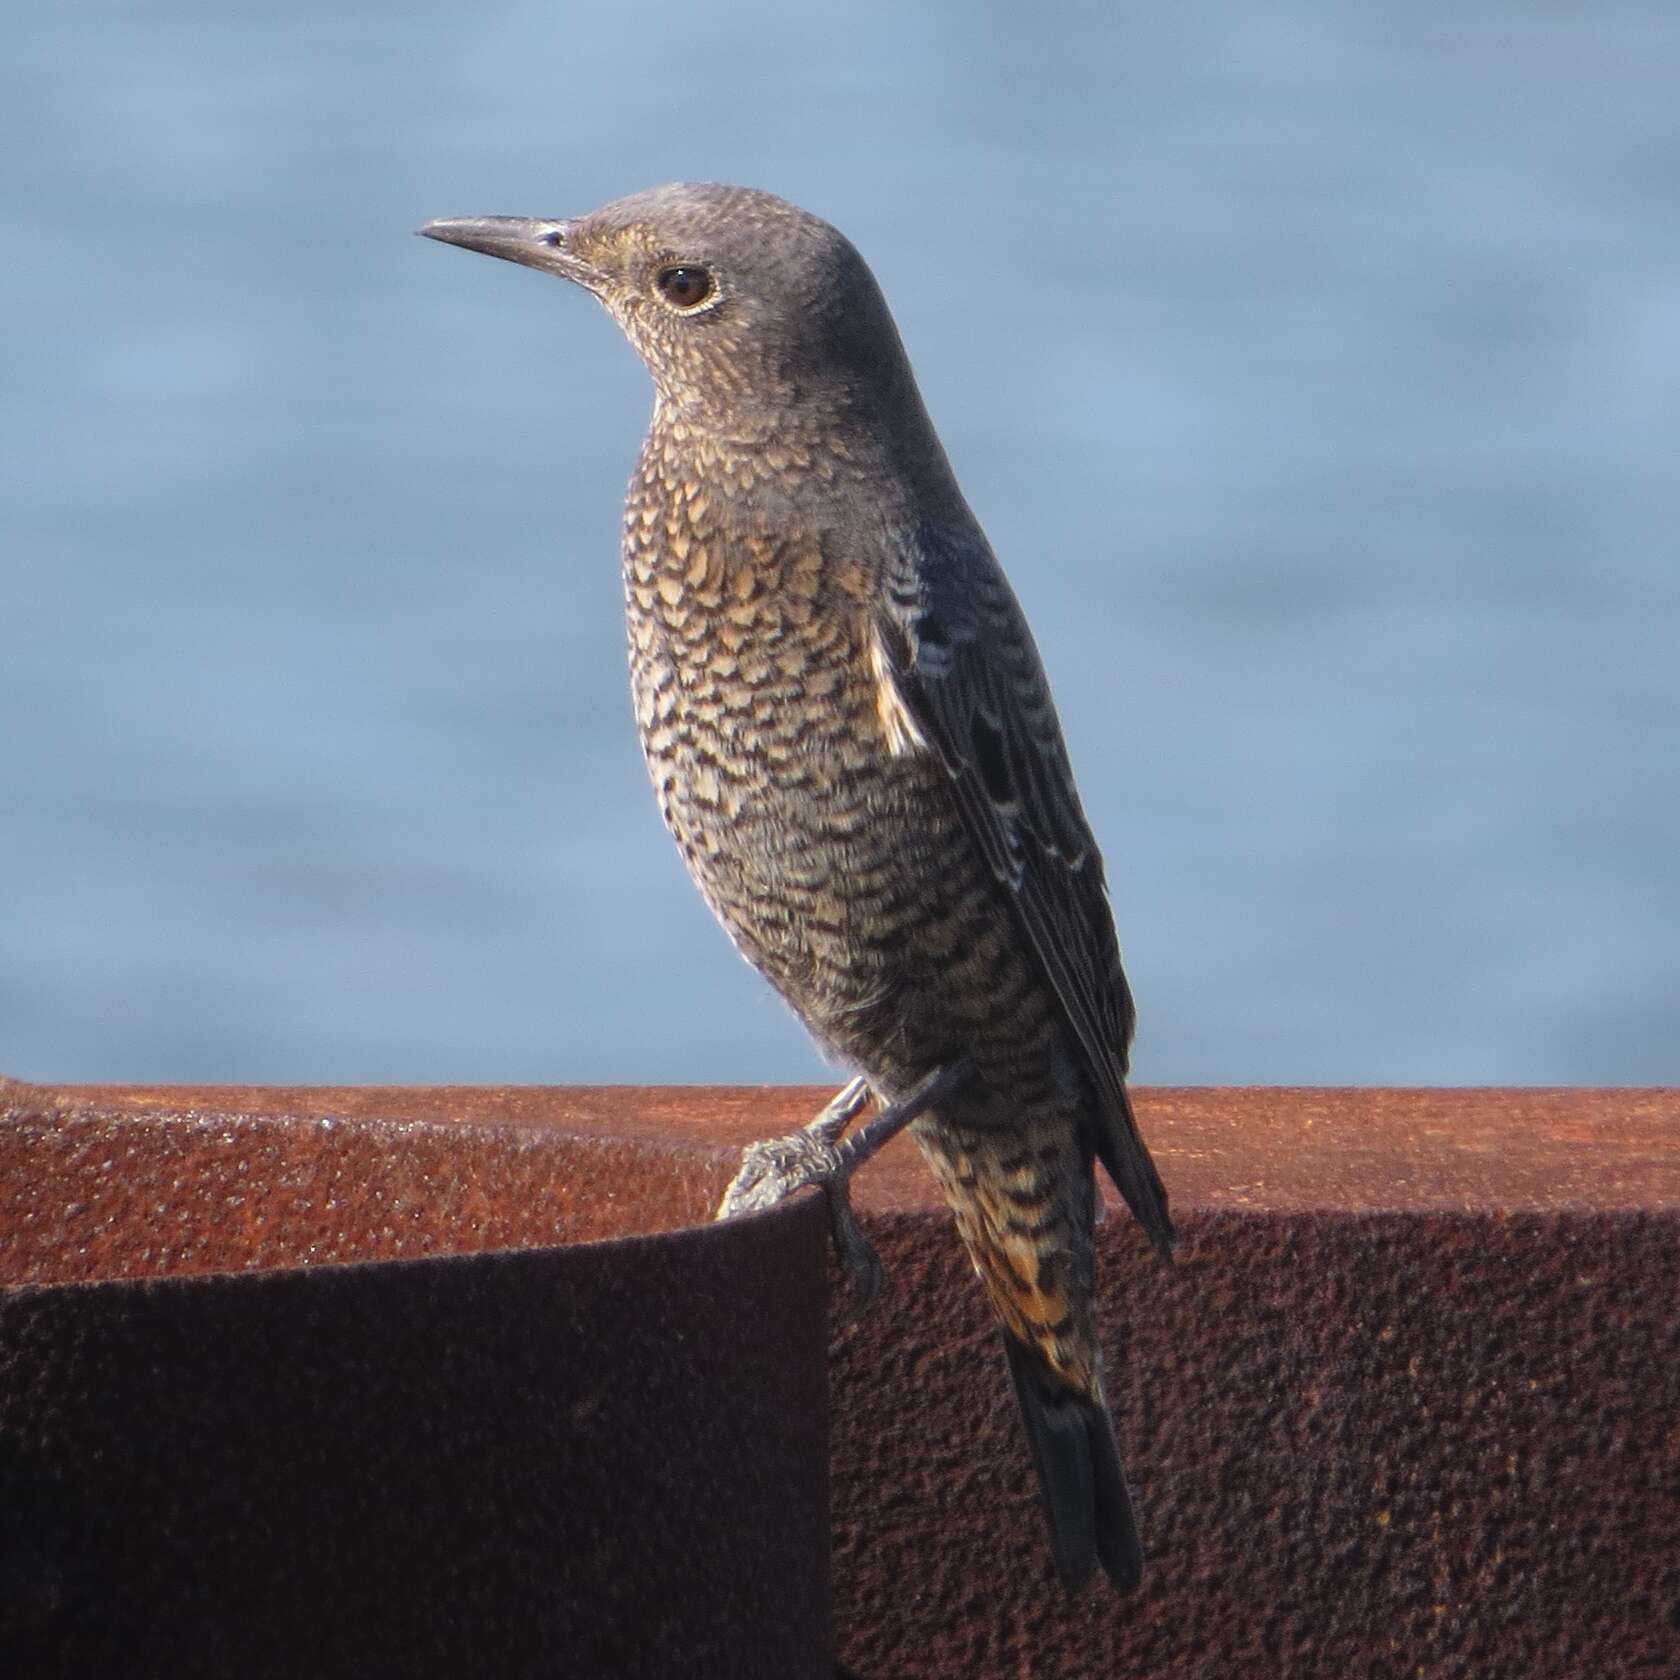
<point x="1086" y="1502"/>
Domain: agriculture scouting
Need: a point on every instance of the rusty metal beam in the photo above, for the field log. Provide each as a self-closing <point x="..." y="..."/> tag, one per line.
<point x="1407" y="1404"/>
<point x="561" y="1427"/>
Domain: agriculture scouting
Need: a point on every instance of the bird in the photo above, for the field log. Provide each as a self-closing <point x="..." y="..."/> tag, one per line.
<point x="852" y="740"/>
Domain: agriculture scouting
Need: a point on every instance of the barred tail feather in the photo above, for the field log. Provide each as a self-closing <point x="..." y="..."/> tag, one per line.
<point x="1086" y="1502"/>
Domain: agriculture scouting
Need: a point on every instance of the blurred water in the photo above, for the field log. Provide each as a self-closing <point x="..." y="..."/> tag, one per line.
<point x="1313" y="368"/>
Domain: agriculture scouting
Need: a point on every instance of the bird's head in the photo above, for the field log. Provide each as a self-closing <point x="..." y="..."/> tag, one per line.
<point x="748" y="311"/>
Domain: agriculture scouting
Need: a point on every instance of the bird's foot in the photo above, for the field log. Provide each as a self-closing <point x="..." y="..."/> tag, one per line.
<point x="772" y="1171"/>
<point x="821" y="1154"/>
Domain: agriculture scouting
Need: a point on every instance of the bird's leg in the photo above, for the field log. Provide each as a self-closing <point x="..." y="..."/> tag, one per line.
<point x="841" y="1110"/>
<point x="771" y="1171"/>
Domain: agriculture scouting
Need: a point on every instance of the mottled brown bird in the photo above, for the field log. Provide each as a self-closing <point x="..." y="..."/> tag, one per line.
<point x="853" y="742"/>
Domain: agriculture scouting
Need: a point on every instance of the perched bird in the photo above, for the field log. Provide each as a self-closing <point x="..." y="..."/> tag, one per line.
<point x="853" y="743"/>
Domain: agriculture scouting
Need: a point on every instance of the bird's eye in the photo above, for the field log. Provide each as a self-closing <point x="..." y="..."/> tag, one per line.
<point x="685" y="287"/>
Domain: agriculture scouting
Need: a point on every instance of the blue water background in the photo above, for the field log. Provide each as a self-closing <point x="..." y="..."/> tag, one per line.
<point x="1315" y="369"/>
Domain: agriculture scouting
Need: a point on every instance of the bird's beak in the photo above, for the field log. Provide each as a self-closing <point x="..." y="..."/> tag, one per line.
<point x="535" y="243"/>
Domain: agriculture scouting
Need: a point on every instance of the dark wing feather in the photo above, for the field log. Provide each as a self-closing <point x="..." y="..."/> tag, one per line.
<point x="963" y="661"/>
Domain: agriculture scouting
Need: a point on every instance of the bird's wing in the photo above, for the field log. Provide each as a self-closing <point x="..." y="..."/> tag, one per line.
<point x="961" y="661"/>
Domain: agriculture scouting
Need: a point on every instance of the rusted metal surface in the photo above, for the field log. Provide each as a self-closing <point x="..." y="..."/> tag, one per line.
<point x="1408" y="1404"/>
<point x="502" y="1450"/>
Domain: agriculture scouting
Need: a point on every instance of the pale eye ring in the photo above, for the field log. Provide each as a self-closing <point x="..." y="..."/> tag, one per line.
<point x="685" y="286"/>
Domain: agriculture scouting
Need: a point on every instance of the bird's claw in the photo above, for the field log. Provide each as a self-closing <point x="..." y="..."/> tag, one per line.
<point x="772" y="1171"/>
<point x="857" y="1256"/>
<point x="819" y="1154"/>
